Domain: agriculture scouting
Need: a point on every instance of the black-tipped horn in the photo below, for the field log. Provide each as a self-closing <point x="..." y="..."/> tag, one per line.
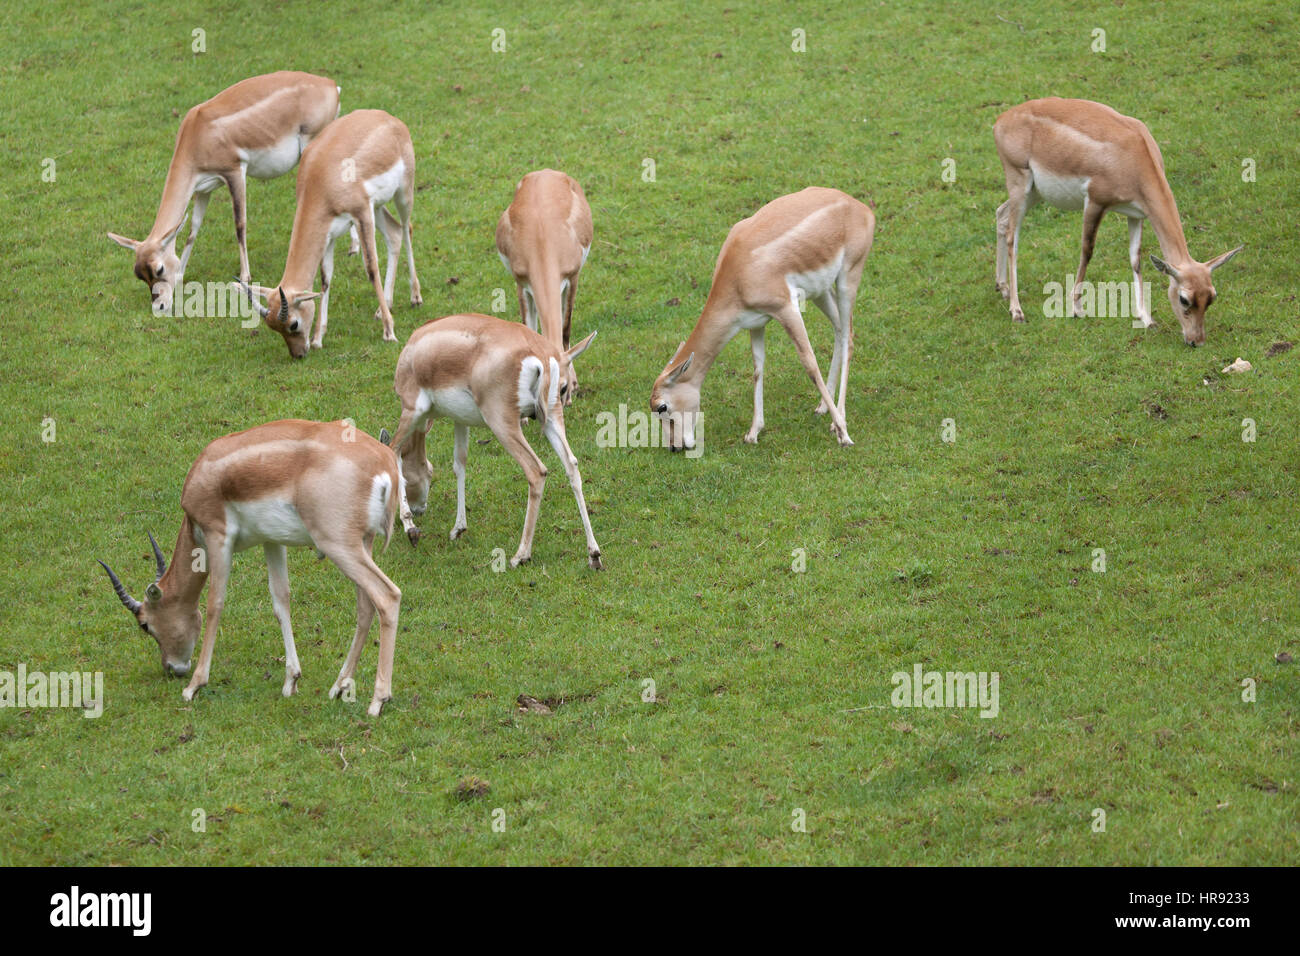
<point x="131" y="603"/>
<point x="158" y="558"/>
<point x="262" y="310"/>
<point x="284" y="308"/>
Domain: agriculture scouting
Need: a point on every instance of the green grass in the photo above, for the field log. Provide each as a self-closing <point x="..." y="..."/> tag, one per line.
<point x="1119" y="690"/>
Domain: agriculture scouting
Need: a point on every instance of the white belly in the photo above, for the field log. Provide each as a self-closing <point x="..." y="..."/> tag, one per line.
<point x="341" y="224"/>
<point x="816" y="282"/>
<point x="455" y="403"/>
<point x="1063" y="192"/>
<point x="384" y="187"/>
<point x="275" y="160"/>
<point x="266" y="521"/>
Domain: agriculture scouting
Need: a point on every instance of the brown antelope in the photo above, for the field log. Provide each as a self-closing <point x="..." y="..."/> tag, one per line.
<point x="808" y="245"/>
<point x="543" y="238"/>
<point x="258" y="127"/>
<point x="284" y="484"/>
<point x="1077" y="154"/>
<point x="360" y="162"/>
<point x="477" y="370"/>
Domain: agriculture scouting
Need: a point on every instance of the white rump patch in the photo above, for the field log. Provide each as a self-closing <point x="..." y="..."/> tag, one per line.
<point x="381" y="486"/>
<point x="381" y="188"/>
<point x="530" y="373"/>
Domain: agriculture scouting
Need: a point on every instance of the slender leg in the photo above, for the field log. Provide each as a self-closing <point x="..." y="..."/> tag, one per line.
<point x="370" y="254"/>
<point x="393" y="231"/>
<point x="326" y="277"/>
<point x="1092" y="213"/>
<point x="277" y="572"/>
<point x="219" y="557"/>
<point x="571" y="291"/>
<point x="1140" y="306"/>
<point x="201" y="201"/>
<point x="830" y="308"/>
<point x="408" y="431"/>
<point x="238" y="200"/>
<point x="756" y="345"/>
<point x="459" y="457"/>
<point x="846" y="290"/>
<point x="559" y="441"/>
<point x="355" y="562"/>
<point x="365" y="615"/>
<point x="506" y="429"/>
<point x="404" y="210"/>
<point x="1020" y="184"/>
<point x="354" y="240"/>
<point x="530" y="306"/>
<point x="1000" y="277"/>
<point x="792" y="322"/>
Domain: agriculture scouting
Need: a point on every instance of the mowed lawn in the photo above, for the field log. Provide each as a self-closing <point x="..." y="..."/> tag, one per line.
<point x="1120" y="690"/>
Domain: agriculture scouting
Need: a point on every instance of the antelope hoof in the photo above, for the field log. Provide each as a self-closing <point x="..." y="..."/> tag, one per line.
<point x="339" y="686"/>
<point x="593" y="561"/>
<point x="820" y="409"/>
<point x="751" y="438"/>
<point x="416" y="298"/>
<point x="376" y="706"/>
<point x="188" y="693"/>
<point x="457" y="531"/>
<point x="290" y="684"/>
<point x="318" y="344"/>
<point x="413" y="535"/>
<point x="519" y="559"/>
<point x="1004" y="289"/>
<point x="842" y="437"/>
<point x="1017" y="314"/>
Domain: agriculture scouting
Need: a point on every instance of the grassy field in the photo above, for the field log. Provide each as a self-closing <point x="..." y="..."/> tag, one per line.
<point x="1120" y="691"/>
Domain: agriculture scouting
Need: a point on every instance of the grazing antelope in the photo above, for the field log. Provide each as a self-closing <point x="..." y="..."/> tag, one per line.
<point x="258" y="127"/>
<point x="284" y="484"/>
<point x="543" y="238"/>
<point x="809" y="245"/>
<point x="360" y="162"/>
<point x="1077" y="154"/>
<point x="477" y="370"/>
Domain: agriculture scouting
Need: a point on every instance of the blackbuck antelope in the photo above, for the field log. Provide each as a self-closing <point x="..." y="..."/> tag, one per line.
<point x="362" y="161"/>
<point x="284" y="484"/>
<point x="258" y="127"/>
<point x="1077" y="154"/>
<point x="543" y="238"/>
<point x="477" y="370"/>
<point x="810" y="245"/>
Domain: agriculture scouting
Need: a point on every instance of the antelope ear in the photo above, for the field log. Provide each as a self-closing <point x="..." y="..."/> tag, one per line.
<point x="676" y="372"/>
<point x="384" y="437"/>
<point x="171" y="236"/>
<point x="578" y="349"/>
<point x="1164" y="267"/>
<point x="124" y="242"/>
<point x="302" y="297"/>
<point x="1220" y="260"/>
<point x="153" y="593"/>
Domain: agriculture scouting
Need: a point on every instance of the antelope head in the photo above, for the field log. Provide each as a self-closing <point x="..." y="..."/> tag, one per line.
<point x="164" y="614"/>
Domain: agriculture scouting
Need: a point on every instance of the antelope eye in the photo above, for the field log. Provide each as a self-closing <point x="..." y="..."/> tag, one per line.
<point x="161" y="271"/>
<point x="663" y="407"/>
<point x="1183" y="299"/>
<point x="293" y="326"/>
<point x="564" y="388"/>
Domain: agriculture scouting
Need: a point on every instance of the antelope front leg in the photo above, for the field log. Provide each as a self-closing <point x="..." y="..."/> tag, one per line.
<point x="792" y="322"/>
<point x="559" y="441"/>
<point x="326" y="277"/>
<point x="757" y="346"/>
<point x="459" y="457"/>
<point x="201" y="201"/>
<point x="219" y="565"/>
<point x="1140" y="305"/>
<point x="1092" y="213"/>
<point x="236" y="181"/>
<point x="277" y="572"/>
